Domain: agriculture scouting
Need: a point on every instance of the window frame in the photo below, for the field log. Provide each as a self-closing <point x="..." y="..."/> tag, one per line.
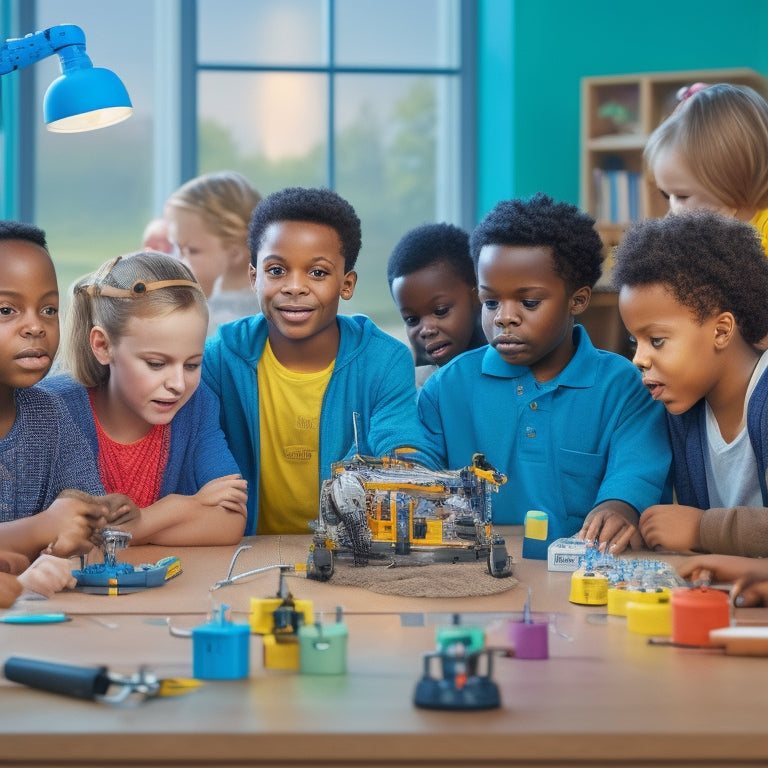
<point x="175" y="137"/>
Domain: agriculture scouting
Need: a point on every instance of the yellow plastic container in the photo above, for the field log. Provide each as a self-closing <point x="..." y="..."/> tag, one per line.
<point x="281" y="652"/>
<point x="650" y="618"/>
<point x="618" y="597"/>
<point x="588" y="588"/>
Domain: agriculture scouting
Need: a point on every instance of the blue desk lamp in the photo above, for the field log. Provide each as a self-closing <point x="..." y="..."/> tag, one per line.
<point x="84" y="97"/>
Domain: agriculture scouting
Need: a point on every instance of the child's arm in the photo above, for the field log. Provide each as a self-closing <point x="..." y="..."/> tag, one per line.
<point x="637" y="468"/>
<point x="69" y="526"/>
<point x="750" y="575"/>
<point x="394" y="421"/>
<point x="13" y="562"/>
<point x="70" y="521"/>
<point x="672" y="527"/>
<point x="614" y="524"/>
<point x="10" y="589"/>
<point x="726" y="531"/>
<point x="215" y="515"/>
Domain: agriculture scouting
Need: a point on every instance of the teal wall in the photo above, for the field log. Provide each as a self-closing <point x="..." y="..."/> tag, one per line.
<point x="533" y="54"/>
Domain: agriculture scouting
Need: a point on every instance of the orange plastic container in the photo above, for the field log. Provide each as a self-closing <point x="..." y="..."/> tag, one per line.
<point x="695" y="612"/>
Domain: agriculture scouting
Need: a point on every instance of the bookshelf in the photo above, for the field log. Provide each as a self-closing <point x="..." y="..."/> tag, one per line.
<point x="618" y="113"/>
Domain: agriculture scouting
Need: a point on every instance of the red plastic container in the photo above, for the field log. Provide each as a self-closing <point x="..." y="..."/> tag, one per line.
<point x="695" y="612"/>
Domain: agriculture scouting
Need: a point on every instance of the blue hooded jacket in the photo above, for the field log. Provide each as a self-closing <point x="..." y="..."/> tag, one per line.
<point x="373" y="377"/>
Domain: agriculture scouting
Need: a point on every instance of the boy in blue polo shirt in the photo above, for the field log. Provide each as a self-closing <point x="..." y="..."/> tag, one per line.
<point x="571" y="426"/>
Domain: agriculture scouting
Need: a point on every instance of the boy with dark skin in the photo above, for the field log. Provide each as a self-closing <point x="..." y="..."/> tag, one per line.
<point x="432" y="280"/>
<point x="570" y="425"/>
<point x="692" y="293"/>
<point x="293" y="379"/>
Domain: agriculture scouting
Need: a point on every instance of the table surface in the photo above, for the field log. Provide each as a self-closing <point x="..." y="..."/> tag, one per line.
<point x="604" y="697"/>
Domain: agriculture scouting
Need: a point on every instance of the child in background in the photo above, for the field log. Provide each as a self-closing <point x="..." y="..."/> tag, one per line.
<point x="432" y="280"/>
<point x="712" y="153"/>
<point x="208" y="223"/>
<point x="134" y="347"/>
<point x="570" y="425"/>
<point x="291" y="379"/>
<point x="692" y="292"/>
<point x="50" y="494"/>
<point x="155" y="237"/>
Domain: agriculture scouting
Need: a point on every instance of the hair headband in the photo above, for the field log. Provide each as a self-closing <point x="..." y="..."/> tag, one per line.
<point x="138" y="289"/>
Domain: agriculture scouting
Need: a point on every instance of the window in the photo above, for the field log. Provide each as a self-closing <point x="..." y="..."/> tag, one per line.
<point x="358" y="95"/>
<point x="372" y="99"/>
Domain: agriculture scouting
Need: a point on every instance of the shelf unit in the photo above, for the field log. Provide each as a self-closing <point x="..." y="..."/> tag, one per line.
<point x="618" y="113"/>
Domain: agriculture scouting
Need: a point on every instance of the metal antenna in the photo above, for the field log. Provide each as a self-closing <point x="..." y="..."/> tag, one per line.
<point x="355" y="417"/>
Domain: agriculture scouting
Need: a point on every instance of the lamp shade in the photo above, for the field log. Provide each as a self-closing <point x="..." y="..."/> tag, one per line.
<point x="84" y="99"/>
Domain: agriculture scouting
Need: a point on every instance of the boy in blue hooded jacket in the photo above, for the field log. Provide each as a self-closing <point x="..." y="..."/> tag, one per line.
<point x="293" y="379"/>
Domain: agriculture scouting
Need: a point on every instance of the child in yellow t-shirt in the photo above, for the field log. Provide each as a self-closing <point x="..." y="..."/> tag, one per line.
<point x="294" y="380"/>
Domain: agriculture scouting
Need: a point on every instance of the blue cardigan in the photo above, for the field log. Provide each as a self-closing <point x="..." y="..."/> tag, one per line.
<point x="373" y="376"/>
<point x="198" y="451"/>
<point x="589" y="435"/>
<point x="688" y="432"/>
<point x="43" y="454"/>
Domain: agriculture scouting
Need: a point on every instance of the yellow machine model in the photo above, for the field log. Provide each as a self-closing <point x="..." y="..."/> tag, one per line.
<point x="388" y="507"/>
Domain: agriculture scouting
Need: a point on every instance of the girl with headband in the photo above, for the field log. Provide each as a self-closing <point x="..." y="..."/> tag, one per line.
<point x="133" y="348"/>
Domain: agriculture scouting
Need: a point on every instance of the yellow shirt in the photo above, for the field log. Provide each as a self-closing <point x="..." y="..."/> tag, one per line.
<point x="760" y="222"/>
<point x="289" y="426"/>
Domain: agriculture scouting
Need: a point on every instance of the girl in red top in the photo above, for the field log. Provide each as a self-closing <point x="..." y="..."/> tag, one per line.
<point x="133" y="344"/>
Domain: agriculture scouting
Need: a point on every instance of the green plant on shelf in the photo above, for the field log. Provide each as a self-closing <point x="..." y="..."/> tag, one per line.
<point x="622" y="117"/>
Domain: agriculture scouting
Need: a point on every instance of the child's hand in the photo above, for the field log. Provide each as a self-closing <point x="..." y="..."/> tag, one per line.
<point x="749" y="575"/>
<point x="672" y="527"/>
<point x="10" y="589"/>
<point x="48" y="575"/>
<point x="614" y="525"/>
<point x="12" y="562"/>
<point x="73" y="517"/>
<point x="229" y="492"/>
<point x="120" y="509"/>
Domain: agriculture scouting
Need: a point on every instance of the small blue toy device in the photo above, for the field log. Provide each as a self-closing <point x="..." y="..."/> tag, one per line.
<point x="221" y="649"/>
<point x="113" y="578"/>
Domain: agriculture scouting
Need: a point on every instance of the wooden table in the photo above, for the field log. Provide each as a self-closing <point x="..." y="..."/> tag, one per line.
<point x="604" y="697"/>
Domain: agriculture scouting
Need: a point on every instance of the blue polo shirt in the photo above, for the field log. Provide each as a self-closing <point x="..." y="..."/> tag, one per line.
<point x="589" y="435"/>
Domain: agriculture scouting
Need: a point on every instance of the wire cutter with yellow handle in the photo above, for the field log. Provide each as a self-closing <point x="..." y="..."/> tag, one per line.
<point x="93" y="683"/>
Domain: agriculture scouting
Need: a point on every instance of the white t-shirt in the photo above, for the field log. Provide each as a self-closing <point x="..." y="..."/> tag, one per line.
<point x="732" y="479"/>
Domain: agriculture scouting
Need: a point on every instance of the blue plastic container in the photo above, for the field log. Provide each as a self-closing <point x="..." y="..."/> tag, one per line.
<point x="221" y="649"/>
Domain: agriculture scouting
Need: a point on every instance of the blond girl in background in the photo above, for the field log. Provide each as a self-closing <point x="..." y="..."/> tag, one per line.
<point x="712" y="153"/>
<point x="208" y="224"/>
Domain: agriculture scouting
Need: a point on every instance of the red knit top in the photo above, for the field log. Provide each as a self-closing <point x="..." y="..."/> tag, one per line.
<point x="134" y="469"/>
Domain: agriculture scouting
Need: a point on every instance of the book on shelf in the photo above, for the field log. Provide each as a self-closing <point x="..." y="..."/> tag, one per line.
<point x="617" y="195"/>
